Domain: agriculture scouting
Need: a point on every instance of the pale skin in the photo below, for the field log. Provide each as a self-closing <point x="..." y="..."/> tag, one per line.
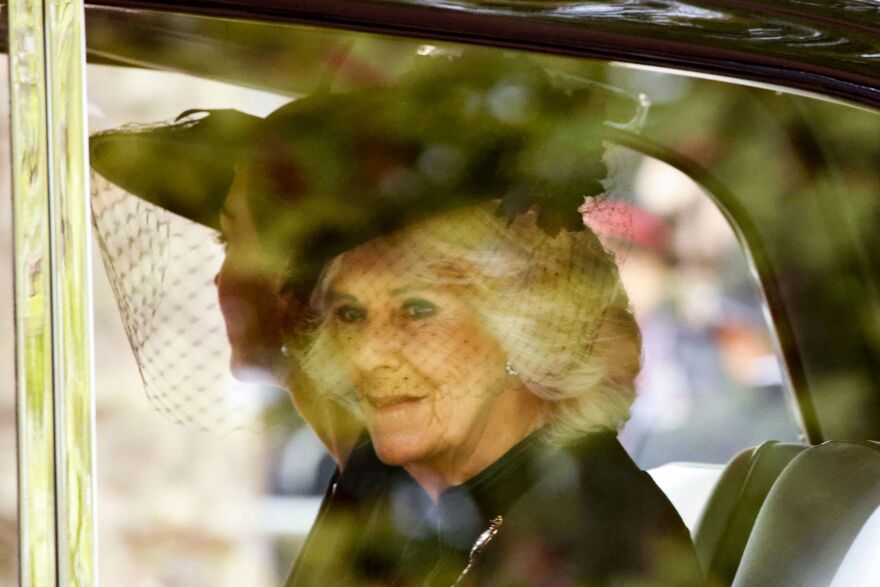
<point x="431" y="382"/>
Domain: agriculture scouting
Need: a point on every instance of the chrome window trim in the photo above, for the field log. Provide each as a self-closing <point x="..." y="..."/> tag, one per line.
<point x="53" y="301"/>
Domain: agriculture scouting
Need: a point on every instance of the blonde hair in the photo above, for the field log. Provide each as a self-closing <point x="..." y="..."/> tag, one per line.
<point x="554" y="304"/>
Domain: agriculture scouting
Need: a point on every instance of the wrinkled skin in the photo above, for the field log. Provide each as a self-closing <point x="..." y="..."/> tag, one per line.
<point x="430" y="379"/>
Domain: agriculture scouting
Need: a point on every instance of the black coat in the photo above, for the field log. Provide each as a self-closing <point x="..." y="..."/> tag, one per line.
<point x="580" y="516"/>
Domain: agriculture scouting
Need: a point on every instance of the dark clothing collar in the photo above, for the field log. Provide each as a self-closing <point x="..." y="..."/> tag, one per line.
<point x="494" y="489"/>
<point x="497" y="486"/>
<point x="585" y="510"/>
<point x="464" y="511"/>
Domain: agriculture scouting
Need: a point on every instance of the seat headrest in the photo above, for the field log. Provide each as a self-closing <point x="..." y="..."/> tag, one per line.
<point x="727" y="520"/>
<point x="812" y="517"/>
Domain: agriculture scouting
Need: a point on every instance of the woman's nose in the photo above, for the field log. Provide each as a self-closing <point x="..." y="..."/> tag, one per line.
<point x="381" y="348"/>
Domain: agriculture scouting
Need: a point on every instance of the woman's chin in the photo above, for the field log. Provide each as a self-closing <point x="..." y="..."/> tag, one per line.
<point x="398" y="449"/>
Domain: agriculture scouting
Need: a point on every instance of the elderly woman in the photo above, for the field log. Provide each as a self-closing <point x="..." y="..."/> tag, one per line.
<point x="420" y="254"/>
<point x="492" y="365"/>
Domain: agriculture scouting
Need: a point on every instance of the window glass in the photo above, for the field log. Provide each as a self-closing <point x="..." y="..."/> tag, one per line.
<point x="8" y="466"/>
<point x="467" y="269"/>
<point x="183" y="476"/>
<point x="708" y="359"/>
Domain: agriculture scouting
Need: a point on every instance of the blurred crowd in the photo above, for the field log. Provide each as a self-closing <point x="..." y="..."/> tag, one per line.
<point x="711" y="383"/>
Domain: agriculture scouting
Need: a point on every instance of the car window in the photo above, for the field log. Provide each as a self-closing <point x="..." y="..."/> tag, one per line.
<point x="710" y="383"/>
<point x="208" y="475"/>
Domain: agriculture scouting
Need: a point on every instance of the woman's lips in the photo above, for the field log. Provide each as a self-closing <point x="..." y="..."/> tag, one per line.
<point x="389" y="402"/>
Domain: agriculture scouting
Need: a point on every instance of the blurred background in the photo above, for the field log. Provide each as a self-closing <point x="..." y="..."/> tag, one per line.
<point x="182" y="505"/>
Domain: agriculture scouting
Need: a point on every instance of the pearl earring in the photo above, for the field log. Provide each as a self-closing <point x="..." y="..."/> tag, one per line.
<point x="510" y="370"/>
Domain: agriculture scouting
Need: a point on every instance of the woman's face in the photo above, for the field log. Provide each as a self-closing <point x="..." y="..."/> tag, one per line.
<point x="431" y="381"/>
<point x="247" y="291"/>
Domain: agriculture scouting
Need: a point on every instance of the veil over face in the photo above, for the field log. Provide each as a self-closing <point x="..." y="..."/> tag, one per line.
<point x="472" y="306"/>
<point x="428" y="378"/>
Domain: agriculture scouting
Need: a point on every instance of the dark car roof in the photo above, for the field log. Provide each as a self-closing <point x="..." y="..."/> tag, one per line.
<point x="832" y="48"/>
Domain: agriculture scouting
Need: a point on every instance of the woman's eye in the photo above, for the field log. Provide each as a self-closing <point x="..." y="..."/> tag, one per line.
<point x="350" y="313"/>
<point x="417" y="309"/>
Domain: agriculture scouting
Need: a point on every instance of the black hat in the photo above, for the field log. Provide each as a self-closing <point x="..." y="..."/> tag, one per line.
<point x="336" y="170"/>
<point x="185" y="167"/>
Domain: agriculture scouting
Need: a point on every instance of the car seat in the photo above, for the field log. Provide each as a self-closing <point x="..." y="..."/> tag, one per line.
<point x="727" y="519"/>
<point x="820" y="523"/>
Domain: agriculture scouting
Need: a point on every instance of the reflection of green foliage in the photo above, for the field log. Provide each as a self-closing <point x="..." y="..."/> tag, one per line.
<point x="335" y="170"/>
<point x="804" y="172"/>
